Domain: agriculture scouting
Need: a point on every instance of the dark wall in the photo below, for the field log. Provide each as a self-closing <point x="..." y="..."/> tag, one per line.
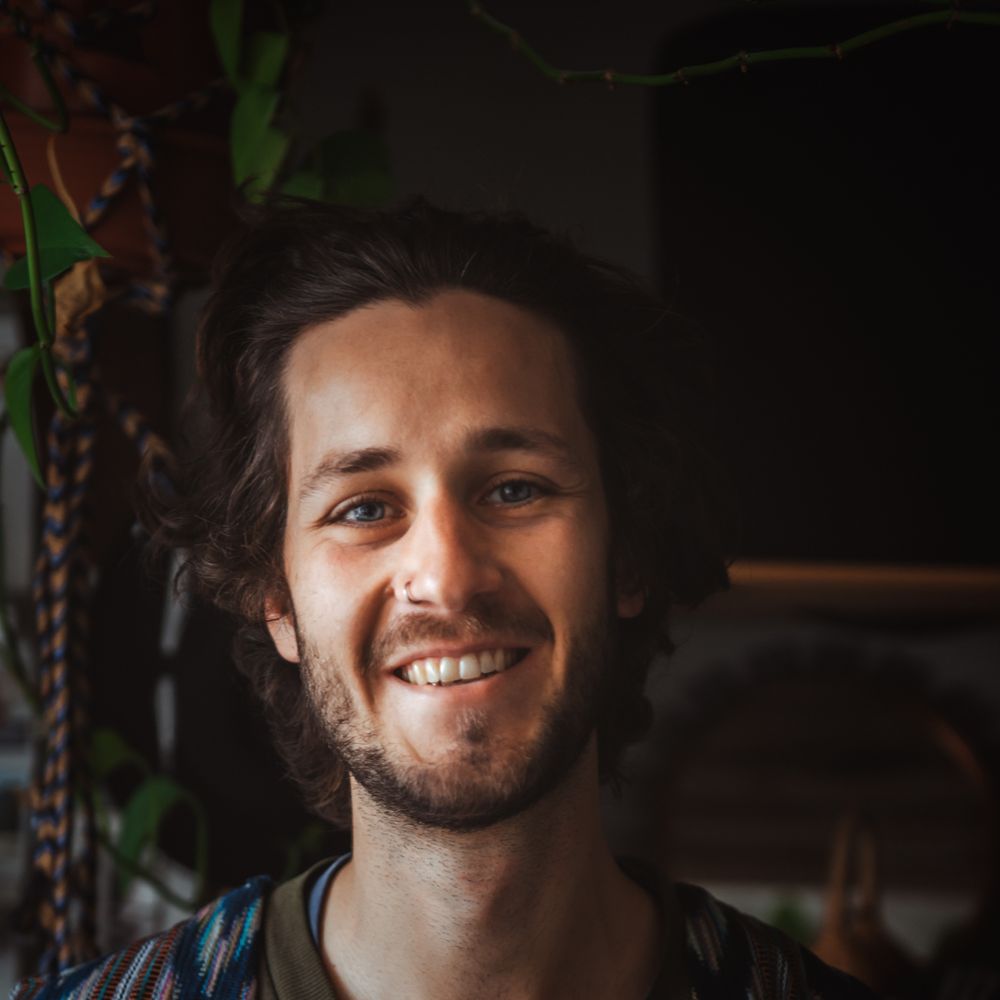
<point x="832" y="225"/>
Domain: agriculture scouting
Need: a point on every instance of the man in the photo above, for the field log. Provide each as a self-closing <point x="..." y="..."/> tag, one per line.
<point x="452" y="485"/>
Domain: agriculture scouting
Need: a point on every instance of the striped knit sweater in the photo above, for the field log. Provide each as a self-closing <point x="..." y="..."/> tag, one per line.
<point x="212" y="954"/>
<point x="216" y="953"/>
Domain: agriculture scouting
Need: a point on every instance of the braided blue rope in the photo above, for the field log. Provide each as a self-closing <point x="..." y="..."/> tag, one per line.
<point x="62" y="586"/>
<point x="52" y="821"/>
<point x="85" y="867"/>
<point x="62" y="580"/>
<point x="137" y="157"/>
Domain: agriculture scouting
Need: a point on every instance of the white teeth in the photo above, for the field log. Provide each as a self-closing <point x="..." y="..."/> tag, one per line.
<point x="449" y="669"/>
<point x="468" y="668"/>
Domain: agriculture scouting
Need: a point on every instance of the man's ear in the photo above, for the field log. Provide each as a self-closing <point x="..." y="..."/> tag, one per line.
<point x="281" y="625"/>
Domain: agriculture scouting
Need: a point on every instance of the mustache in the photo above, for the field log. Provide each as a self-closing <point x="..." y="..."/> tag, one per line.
<point x="483" y="618"/>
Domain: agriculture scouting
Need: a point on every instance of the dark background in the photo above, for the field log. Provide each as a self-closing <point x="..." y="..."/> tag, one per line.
<point x="834" y="226"/>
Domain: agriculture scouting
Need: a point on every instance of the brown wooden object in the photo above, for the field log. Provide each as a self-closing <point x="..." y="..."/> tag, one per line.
<point x="854" y="937"/>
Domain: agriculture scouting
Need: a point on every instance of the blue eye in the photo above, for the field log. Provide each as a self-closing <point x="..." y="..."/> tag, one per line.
<point x="365" y="512"/>
<point x="514" y="491"/>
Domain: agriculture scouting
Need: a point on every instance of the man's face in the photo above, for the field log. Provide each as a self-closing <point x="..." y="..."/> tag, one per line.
<point x="445" y="514"/>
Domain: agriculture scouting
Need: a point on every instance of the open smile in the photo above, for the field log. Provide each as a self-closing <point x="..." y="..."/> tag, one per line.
<point x="465" y="669"/>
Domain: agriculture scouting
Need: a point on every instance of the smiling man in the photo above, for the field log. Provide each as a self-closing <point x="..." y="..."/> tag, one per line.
<point x="452" y="487"/>
<point x="455" y="509"/>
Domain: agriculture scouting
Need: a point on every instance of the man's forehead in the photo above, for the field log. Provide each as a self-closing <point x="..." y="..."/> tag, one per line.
<point x="454" y="340"/>
<point x="465" y="308"/>
<point x="461" y="372"/>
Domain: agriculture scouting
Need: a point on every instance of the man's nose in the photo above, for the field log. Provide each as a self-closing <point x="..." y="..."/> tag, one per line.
<point x="447" y="559"/>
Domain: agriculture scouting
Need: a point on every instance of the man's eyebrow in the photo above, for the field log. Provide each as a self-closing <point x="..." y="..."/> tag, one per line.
<point x="519" y="439"/>
<point x="346" y="463"/>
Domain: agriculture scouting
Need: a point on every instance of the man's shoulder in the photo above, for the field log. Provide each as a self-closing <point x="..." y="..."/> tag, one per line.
<point x="733" y="954"/>
<point x="212" y="954"/>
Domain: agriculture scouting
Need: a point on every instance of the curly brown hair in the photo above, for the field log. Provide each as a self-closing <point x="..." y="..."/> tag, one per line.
<point x="644" y="392"/>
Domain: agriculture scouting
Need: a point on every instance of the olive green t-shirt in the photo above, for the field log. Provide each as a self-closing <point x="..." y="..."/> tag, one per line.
<point x="291" y="965"/>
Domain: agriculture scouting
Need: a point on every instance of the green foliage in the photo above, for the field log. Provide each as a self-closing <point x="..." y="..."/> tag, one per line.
<point x="305" y="184"/>
<point x="62" y="241"/>
<point x="143" y="815"/>
<point x="257" y="147"/>
<point x="349" y="167"/>
<point x="109" y="753"/>
<point x="355" y="165"/>
<point x="789" y="916"/>
<point x="254" y="68"/>
<point x="226" y="19"/>
<point x="266" y="54"/>
<point x="17" y="392"/>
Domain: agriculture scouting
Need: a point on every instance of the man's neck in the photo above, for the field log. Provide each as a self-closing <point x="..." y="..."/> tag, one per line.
<point x="534" y="906"/>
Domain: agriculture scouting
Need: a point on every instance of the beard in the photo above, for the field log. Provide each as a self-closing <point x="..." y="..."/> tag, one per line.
<point x="485" y="777"/>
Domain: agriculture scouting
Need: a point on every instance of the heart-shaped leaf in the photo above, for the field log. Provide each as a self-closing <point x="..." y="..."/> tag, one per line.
<point x="17" y="393"/>
<point x="62" y="241"/>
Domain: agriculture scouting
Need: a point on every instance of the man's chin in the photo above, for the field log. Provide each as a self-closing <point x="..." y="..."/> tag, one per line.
<point x="477" y="787"/>
<point x="487" y="775"/>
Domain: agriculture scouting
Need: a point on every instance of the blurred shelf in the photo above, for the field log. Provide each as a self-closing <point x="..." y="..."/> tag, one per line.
<point x="860" y="589"/>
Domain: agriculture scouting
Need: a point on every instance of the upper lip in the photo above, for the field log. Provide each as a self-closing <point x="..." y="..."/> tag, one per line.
<point x="453" y="649"/>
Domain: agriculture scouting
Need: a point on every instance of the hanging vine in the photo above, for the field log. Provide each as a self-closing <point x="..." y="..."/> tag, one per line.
<point x="743" y="60"/>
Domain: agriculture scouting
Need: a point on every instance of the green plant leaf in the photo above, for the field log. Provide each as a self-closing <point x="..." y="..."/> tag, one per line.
<point x="143" y="814"/>
<point x="17" y="392"/>
<point x="356" y="168"/>
<point x="52" y="261"/>
<point x="304" y="184"/>
<point x="56" y="227"/>
<point x="270" y="156"/>
<point x="265" y="58"/>
<point x="109" y="752"/>
<point x="226" y="19"/>
<point x="62" y="241"/>
<point x="253" y="141"/>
